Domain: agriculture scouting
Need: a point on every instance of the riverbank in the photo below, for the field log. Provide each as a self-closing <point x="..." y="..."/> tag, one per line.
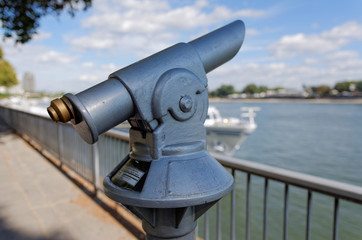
<point x="292" y="100"/>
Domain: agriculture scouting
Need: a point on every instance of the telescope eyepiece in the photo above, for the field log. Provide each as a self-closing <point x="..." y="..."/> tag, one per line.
<point x="60" y="110"/>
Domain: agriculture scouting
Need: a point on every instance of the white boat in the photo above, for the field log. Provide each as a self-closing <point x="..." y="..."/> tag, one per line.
<point x="224" y="135"/>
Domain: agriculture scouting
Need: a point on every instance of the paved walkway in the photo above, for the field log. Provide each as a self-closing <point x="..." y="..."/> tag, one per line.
<point x="38" y="202"/>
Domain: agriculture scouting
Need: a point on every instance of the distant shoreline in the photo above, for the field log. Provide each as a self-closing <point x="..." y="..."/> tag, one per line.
<point x="291" y="100"/>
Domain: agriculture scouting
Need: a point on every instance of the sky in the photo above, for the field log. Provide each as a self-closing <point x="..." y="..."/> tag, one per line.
<point x="287" y="43"/>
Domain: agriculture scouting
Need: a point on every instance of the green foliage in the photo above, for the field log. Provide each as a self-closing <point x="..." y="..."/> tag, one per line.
<point x="359" y="86"/>
<point x="318" y="91"/>
<point x="21" y="17"/>
<point x="223" y="91"/>
<point x="278" y="88"/>
<point x="342" y="86"/>
<point x="251" y="88"/>
<point x="263" y="88"/>
<point x="7" y="73"/>
<point x="4" y="95"/>
<point x="323" y="90"/>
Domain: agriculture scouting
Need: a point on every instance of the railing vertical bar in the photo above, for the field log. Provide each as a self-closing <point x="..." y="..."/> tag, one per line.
<point x="95" y="162"/>
<point x="335" y="218"/>
<point x="309" y="214"/>
<point x="206" y="226"/>
<point x="197" y="231"/>
<point x="219" y="220"/>
<point x="247" y="227"/>
<point x="60" y="143"/>
<point x="265" y="220"/>
<point x="286" y="204"/>
<point x="232" y="227"/>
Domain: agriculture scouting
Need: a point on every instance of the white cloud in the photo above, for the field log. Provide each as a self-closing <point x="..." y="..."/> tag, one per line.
<point x="327" y="69"/>
<point x="88" y="78"/>
<point x="53" y="70"/>
<point x="88" y="64"/>
<point x="54" y="57"/>
<point x="149" y="26"/>
<point x="301" y="44"/>
<point x="109" y="67"/>
<point x="94" y="41"/>
<point x="40" y="36"/>
<point x="350" y="30"/>
<point x="251" y="32"/>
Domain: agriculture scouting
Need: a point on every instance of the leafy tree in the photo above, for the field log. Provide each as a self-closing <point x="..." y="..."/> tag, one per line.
<point x="359" y="86"/>
<point x="342" y="86"/>
<point x="7" y="73"/>
<point x="278" y="88"/>
<point x="314" y="89"/>
<point x="323" y="90"/>
<point x="223" y="91"/>
<point x="263" y="89"/>
<point x="212" y="94"/>
<point x="251" y="88"/>
<point x="21" y="17"/>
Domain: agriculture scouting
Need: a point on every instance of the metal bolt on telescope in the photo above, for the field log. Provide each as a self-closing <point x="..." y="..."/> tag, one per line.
<point x="168" y="179"/>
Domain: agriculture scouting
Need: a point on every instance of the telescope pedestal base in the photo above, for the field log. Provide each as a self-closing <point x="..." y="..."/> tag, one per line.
<point x="189" y="236"/>
<point x="170" y="223"/>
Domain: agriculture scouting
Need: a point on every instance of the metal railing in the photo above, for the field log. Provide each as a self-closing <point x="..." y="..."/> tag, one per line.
<point x="243" y="214"/>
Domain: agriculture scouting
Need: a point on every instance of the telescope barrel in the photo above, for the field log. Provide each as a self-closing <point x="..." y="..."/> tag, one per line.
<point x="219" y="46"/>
<point x="130" y="90"/>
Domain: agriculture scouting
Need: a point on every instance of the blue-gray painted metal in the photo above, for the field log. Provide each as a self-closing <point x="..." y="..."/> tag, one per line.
<point x="335" y="218"/>
<point x="131" y="90"/>
<point x="168" y="179"/>
<point x="285" y="212"/>
<point x="265" y="219"/>
<point x="100" y="108"/>
<point x="309" y="215"/>
<point x="247" y="214"/>
<point x="206" y="226"/>
<point x="232" y="208"/>
<point x="218" y="218"/>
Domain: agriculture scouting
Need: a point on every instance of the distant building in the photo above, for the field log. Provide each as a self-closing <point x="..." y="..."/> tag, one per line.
<point x="28" y="82"/>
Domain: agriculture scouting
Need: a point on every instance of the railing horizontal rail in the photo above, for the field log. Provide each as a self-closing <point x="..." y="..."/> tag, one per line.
<point x="318" y="184"/>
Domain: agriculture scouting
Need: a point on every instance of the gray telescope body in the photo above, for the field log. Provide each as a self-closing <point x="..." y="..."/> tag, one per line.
<point x="130" y="90"/>
<point x="168" y="179"/>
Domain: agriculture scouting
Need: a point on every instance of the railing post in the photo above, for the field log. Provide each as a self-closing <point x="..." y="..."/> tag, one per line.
<point x="265" y="221"/>
<point x="232" y="217"/>
<point x="335" y="218"/>
<point x="95" y="160"/>
<point x="247" y="227"/>
<point x="60" y="143"/>
<point x="206" y="225"/>
<point x="286" y="203"/>
<point x="219" y="235"/>
<point x="309" y="214"/>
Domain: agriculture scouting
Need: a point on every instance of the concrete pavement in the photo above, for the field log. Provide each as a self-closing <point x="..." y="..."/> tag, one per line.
<point x="37" y="201"/>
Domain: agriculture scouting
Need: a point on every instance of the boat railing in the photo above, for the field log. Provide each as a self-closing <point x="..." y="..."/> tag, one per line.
<point x="266" y="201"/>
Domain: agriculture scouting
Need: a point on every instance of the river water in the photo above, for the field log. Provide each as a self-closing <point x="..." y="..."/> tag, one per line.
<point x="324" y="140"/>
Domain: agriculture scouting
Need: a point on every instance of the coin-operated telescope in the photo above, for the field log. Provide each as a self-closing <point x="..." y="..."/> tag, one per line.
<point x="168" y="179"/>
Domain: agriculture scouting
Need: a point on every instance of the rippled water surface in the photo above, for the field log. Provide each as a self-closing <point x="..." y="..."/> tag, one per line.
<point x="324" y="140"/>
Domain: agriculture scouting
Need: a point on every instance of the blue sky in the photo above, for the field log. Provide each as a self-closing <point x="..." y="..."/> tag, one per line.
<point x="288" y="43"/>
